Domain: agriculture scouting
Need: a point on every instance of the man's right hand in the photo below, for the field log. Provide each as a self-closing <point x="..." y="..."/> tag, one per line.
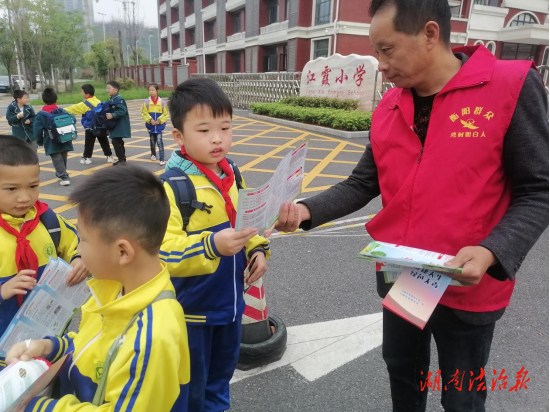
<point x="19" y="284"/>
<point x="290" y="217"/>
<point x="229" y="242"/>
<point x="36" y="349"/>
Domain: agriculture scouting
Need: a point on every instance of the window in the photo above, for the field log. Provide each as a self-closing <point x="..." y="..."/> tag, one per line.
<point x="191" y="36"/>
<point x="287" y="10"/>
<point x="283" y="60"/>
<point x="270" y="59"/>
<point x="515" y="51"/>
<point x="320" y="48"/>
<point x="455" y="11"/>
<point x="322" y="11"/>
<point x="492" y="3"/>
<point x="523" y="19"/>
<point x="209" y="32"/>
<point x="236" y="62"/>
<point x="491" y="46"/>
<point x="189" y="7"/>
<point x="236" y="22"/>
<point x="273" y="12"/>
<point x="478" y="42"/>
<point x="211" y="63"/>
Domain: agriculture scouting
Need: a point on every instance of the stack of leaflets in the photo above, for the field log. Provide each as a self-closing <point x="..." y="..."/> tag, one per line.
<point x="419" y="277"/>
<point x="21" y="381"/>
<point x="48" y="309"/>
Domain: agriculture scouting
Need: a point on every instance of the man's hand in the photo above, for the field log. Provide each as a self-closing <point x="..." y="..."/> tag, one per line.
<point x="258" y="269"/>
<point x="27" y="121"/>
<point x="19" y="284"/>
<point x="20" y="115"/>
<point x="475" y="260"/>
<point x="109" y="116"/>
<point x="229" y="242"/>
<point x="36" y="349"/>
<point x="79" y="272"/>
<point x="290" y="217"/>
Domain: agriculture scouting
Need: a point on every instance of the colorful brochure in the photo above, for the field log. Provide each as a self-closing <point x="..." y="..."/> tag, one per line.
<point x="48" y="309"/>
<point x="259" y="207"/>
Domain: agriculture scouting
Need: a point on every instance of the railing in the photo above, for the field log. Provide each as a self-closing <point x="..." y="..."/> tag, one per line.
<point x="164" y="33"/>
<point x="190" y="21"/>
<point x="210" y="43"/>
<point x="274" y="27"/>
<point x="175" y="28"/>
<point x="209" y="12"/>
<point x="236" y="37"/>
<point x="379" y="91"/>
<point x="246" y="88"/>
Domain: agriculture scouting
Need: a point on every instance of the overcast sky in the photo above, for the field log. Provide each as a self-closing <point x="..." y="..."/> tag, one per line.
<point x="147" y="10"/>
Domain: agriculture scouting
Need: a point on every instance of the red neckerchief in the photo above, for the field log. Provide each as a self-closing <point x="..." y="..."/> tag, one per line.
<point x="223" y="185"/>
<point x="155" y="100"/>
<point x="25" y="258"/>
<point x="49" y="107"/>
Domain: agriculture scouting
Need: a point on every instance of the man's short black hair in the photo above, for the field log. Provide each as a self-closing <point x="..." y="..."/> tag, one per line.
<point x="16" y="152"/>
<point x="88" y="89"/>
<point x="49" y="96"/>
<point x="125" y="201"/>
<point x="18" y="94"/>
<point x="114" y="85"/>
<point x="197" y="92"/>
<point x="412" y="15"/>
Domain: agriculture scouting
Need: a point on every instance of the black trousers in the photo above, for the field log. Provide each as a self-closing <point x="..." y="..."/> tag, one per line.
<point x="89" y="143"/>
<point x="118" y="144"/>
<point x="461" y="347"/>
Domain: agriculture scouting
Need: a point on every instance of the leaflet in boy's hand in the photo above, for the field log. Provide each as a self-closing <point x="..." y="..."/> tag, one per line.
<point x="259" y="207"/>
<point x="49" y="307"/>
<point x="21" y="387"/>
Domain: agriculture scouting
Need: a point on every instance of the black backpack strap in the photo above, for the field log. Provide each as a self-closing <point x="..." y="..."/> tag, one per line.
<point x="237" y="172"/>
<point x="51" y="223"/>
<point x="184" y="192"/>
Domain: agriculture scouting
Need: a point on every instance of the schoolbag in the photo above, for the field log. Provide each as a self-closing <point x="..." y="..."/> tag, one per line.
<point x="98" y="117"/>
<point x="185" y="194"/>
<point x="51" y="223"/>
<point x="162" y="104"/>
<point x="60" y="125"/>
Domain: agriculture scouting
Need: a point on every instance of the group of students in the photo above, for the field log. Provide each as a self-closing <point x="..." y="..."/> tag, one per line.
<point x="167" y="289"/>
<point x="32" y="127"/>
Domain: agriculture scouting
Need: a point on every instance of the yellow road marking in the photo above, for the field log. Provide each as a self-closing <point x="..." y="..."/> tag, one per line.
<point x="274" y="151"/>
<point x="308" y="178"/>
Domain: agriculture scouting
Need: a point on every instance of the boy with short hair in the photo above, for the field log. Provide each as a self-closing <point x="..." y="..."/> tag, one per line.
<point x="207" y="257"/>
<point x="120" y="114"/>
<point x="24" y="230"/>
<point x="133" y="305"/>
<point x="85" y="109"/>
<point x="57" y="151"/>
<point x="20" y="116"/>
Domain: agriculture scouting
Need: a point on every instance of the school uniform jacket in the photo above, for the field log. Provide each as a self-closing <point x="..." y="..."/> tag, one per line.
<point x="120" y="114"/>
<point x="18" y="127"/>
<point x="209" y="286"/>
<point x="42" y="244"/>
<point x="157" y="112"/>
<point x="82" y="108"/>
<point x="151" y="368"/>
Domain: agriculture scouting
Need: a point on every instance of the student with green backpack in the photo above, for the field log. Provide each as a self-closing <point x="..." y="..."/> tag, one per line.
<point x="55" y="129"/>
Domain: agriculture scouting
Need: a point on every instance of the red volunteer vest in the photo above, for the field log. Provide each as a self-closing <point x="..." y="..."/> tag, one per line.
<point x="454" y="191"/>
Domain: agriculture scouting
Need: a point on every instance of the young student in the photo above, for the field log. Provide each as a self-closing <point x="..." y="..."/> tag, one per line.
<point x="133" y="304"/>
<point x="57" y="151"/>
<point x="20" y="116"/>
<point x="24" y="225"/>
<point x="155" y="114"/>
<point x="207" y="257"/>
<point x="85" y="109"/>
<point x="122" y="128"/>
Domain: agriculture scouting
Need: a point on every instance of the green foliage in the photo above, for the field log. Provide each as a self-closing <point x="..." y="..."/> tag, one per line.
<point x="321" y="102"/>
<point x="76" y="97"/>
<point x="126" y="83"/>
<point x="103" y="56"/>
<point x="349" y="120"/>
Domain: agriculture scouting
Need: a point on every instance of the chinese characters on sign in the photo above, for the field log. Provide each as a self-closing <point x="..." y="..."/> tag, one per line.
<point x="475" y="381"/>
<point x="341" y="77"/>
<point x="467" y="124"/>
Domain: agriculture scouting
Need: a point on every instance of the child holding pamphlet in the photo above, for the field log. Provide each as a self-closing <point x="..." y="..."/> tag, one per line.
<point x="30" y="232"/>
<point x="131" y="347"/>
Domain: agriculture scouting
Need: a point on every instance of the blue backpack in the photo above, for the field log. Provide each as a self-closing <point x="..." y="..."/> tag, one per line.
<point x="185" y="194"/>
<point x="96" y="118"/>
<point x="60" y="125"/>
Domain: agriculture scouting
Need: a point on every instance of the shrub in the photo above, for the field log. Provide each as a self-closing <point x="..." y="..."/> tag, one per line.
<point x="126" y="83"/>
<point x="321" y="102"/>
<point x="349" y="120"/>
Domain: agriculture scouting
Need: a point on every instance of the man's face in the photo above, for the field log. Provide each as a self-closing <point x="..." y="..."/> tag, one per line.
<point x="19" y="188"/>
<point x="206" y="138"/>
<point x="403" y="58"/>
<point x="111" y="91"/>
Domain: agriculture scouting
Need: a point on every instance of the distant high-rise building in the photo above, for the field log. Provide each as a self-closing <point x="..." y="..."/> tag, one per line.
<point x="86" y="7"/>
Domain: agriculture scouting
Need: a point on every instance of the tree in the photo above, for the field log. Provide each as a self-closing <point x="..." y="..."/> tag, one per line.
<point x="7" y="53"/>
<point x="104" y="56"/>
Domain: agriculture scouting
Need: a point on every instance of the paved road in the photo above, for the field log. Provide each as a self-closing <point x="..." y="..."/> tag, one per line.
<point x="317" y="279"/>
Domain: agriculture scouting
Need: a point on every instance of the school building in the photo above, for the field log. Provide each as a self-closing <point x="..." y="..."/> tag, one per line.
<point x="256" y="36"/>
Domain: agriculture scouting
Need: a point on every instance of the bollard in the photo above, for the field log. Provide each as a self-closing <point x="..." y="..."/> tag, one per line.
<point x="263" y="336"/>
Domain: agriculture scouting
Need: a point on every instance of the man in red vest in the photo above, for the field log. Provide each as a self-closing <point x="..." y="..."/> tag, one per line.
<point x="459" y="154"/>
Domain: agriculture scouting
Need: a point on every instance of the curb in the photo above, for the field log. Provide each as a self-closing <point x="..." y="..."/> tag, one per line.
<point x="312" y="128"/>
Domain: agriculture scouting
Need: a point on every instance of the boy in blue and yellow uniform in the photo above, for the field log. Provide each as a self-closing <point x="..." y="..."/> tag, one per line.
<point x="26" y="243"/>
<point x="133" y="306"/>
<point x="207" y="258"/>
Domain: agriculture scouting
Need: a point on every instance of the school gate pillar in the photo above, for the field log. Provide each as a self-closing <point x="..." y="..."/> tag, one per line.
<point x="263" y="336"/>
